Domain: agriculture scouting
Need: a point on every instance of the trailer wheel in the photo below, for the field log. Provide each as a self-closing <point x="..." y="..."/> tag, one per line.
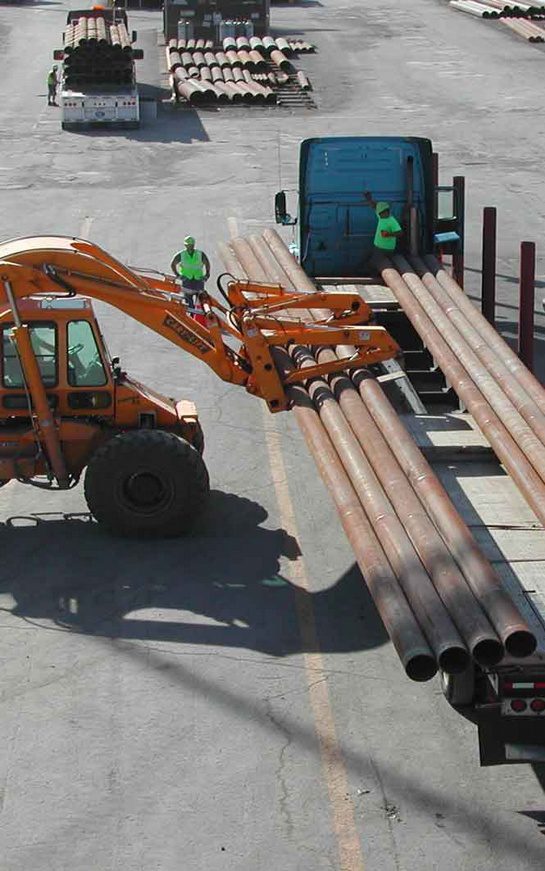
<point x="147" y="483"/>
<point x="459" y="689"/>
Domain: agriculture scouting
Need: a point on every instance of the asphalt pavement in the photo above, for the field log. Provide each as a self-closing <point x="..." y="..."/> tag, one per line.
<point x="230" y="700"/>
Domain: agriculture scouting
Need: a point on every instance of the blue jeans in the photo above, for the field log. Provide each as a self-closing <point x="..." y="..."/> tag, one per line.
<point x="192" y="287"/>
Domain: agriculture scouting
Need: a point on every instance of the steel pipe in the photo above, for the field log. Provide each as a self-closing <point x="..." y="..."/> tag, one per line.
<point x="452" y="587"/>
<point x="504" y="445"/>
<point x="481" y="578"/>
<point x="513" y="631"/>
<point x="493" y="364"/>
<point x="432" y="616"/>
<point x="399" y="621"/>
<point x="280" y="59"/>
<point x="396" y="614"/>
<point x="492" y="338"/>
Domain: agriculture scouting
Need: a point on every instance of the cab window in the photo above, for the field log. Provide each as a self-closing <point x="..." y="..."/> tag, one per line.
<point x="85" y="367"/>
<point x="44" y="344"/>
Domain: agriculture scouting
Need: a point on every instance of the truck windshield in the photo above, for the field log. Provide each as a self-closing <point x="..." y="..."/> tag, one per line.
<point x="44" y="344"/>
<point x="85" y="367"/>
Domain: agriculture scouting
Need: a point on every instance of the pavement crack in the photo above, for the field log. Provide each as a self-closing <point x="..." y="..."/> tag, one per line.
<point x="391" y="812"/>
<point x="283" y="801"/>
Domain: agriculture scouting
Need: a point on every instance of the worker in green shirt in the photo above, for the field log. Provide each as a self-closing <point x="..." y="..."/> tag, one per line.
<point x="193" y="267"/>
<point x="52" y="82"/>
<point x="388" y="229"/>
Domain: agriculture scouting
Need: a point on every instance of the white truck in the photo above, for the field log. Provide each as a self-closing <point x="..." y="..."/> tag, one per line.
<point x="98" y="83"/>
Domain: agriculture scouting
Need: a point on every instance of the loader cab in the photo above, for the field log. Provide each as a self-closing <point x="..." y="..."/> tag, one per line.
<point x="70" y="352"/>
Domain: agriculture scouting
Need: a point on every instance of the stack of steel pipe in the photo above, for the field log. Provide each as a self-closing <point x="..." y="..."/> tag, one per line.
<point x="506" y="401"/>
<point x="224" y="79"/>
<point x="527" y="29"/>
<point x="95" y="53"/>
<point x="439" y="598"/>
<point x="300" y="47"/>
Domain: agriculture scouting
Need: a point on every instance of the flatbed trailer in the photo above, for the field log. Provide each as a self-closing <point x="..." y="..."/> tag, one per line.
<point x="505" y="702"/>
<point x="107" y="105"/>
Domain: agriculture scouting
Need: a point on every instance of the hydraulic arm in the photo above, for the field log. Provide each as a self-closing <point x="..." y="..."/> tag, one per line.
<point x="240" y="334"/>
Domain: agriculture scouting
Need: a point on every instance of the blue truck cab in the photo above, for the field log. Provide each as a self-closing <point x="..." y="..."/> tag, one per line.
<point x="336" y="224"/>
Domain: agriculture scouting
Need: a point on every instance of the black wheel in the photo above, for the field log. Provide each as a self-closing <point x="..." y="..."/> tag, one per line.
<point x="147" y="483"/>
<point x="459" y="689"/>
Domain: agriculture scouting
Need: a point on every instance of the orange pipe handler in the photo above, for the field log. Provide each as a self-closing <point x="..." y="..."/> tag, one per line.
<point x="86" y="412"/>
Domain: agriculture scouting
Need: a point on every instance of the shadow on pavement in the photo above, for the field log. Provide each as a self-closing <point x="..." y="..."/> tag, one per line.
<point x="414" y="794"/>
<point x="227" y="574"/>
<point x="171" y="125"/>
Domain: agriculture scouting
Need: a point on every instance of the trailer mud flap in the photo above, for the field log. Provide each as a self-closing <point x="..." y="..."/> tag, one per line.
<point x="509" y="740"/>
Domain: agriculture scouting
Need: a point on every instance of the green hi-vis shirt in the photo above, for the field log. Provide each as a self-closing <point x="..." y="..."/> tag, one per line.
<point x="390" y="225"/>
<point x="51" y="78"/>
<point x="191" y="265"/>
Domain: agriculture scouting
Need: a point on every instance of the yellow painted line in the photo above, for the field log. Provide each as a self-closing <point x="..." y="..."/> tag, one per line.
<point x="333" y="767"/>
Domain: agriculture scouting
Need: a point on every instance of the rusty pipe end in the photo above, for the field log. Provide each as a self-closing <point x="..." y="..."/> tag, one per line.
<point x="420" y="667"/>
<point x="454" y="659"/>
<point x="520" y="643"/>
<point x="488" y="651"/>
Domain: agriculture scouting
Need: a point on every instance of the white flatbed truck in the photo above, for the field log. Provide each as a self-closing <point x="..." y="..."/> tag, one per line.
<point x="85" y="102"/>
<point x="108" y="105"/>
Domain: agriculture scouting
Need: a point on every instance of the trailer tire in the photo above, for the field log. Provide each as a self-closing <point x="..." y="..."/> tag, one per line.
<point x="459" y="689"/>
<point x="147" y="483"/>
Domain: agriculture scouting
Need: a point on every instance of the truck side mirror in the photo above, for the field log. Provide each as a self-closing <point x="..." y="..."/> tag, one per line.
<point x="280" y="211"/>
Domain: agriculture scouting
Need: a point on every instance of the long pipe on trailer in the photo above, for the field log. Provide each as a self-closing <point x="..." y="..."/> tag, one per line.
<point x="491" y="361"/>
<point x="395" y="612"/>
<point x="416" y="583"/>
<point x="512" y="630"/>
<point x="494" y="341"/>
<point x="504" y="445"/>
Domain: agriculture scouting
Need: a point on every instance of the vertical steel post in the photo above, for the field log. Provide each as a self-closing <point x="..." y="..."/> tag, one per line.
<point x="435" y="168"/>
<point x="526" y="303"/>
<point x="488" y="274"/>
<point x="459" y="183"/>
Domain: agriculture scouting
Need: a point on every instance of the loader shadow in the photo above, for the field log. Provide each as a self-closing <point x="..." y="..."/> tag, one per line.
<point x="220" y="586"/>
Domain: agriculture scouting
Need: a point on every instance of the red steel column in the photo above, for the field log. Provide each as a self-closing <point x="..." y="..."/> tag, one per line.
<point x="488" y="275"/>
<point x="526" y="304"/>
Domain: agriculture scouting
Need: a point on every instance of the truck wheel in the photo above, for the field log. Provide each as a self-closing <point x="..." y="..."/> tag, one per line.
<point x="147" y="483"/>
<point x="459" y="689"/>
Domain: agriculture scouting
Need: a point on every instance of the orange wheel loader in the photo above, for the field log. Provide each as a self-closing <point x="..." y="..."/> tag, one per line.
<point x="66" y="406"/>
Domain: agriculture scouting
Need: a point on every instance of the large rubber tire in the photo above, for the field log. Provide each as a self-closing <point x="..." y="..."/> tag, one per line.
<point x="147" y="483"/>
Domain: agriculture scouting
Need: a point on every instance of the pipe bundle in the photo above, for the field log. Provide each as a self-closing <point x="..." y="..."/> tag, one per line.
<point x="498" y="8"/>
<point x="96" y="52"/>
<point x="511" y="16"/>
<point x="204" y="77"/>
<point x="439" y="598"/>
<point x="505" y="399"/>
